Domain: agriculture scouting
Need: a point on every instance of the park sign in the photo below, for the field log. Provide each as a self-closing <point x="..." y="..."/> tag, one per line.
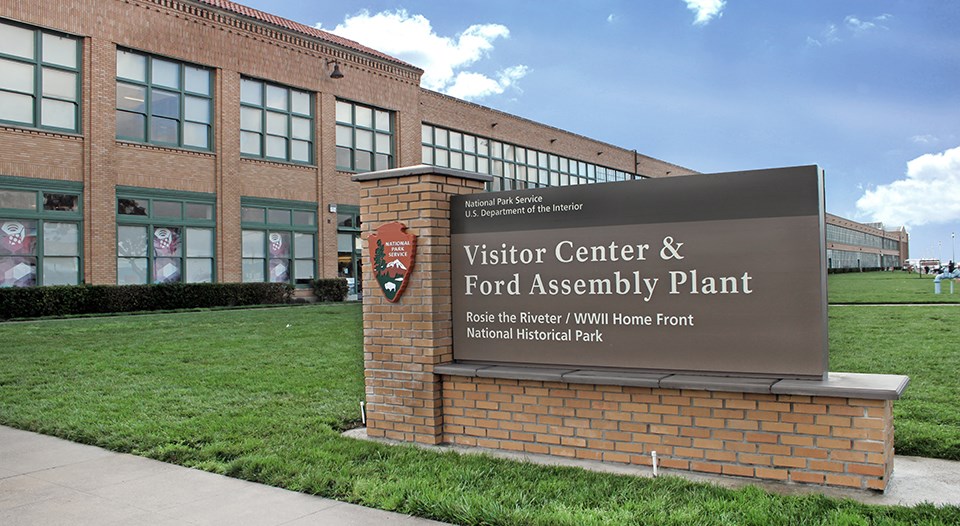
<point x="713" y="274"/>
<point x="392" y="250"/>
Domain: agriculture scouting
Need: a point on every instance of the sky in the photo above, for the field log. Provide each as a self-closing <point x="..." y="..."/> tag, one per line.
<point x="869" y="90"/>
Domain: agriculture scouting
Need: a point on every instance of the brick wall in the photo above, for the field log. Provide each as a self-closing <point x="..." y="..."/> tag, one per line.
<point x="818" y="440"/>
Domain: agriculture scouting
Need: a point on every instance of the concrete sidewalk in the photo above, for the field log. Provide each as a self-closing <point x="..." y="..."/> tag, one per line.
<point x="49" y="481"/>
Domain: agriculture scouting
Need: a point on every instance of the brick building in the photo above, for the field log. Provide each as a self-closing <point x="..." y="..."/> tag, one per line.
<point x="148" y="141"/>
<point x="853" y="245"/>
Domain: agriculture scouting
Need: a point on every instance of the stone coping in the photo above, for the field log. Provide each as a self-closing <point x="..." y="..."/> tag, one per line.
<point x="839" y="385"/>
<point x="420" y="169"/>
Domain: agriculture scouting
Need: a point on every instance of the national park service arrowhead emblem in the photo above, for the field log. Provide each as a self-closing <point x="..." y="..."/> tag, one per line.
<point x="392" y="250"/>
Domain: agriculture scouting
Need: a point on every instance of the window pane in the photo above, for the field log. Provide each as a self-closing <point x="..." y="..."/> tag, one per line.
<point x="277" y="97"/>
<point x="469" y="143"/>
<point x="130" y="97"/>
<point x="365" y="140"/>
<point x="166" y="209"/>
<point x="251" y="92"/>
<point x="456" y="141"/>
<point x="131" y="66"/>
<point x="18" y="271"/>
<point x="303" y="269"/>
<point x="362" y="161"/>
<point x="199" y="271"/>
<point x="304" y="218"/>
<point x="167" y="242"/>
<point x="60" y="84"/>
<point x="344" y="156"/>
<point x="300" y="151"/>
<point x="276" y="147"/>
<point x="426" y="155"/>
<point x="165" y="73"/>
<point x="300" y="102"/>
<point x="253" y="215"/>
<point x="61" y="271"/>
<point x="470" y="163"/>
<point x="456" y="160"/>
<point x="200" y="242"/>
<point x="278" y="217"/>
<point x="426" y="134"/>
<point x="60" y="202"/>
<point x="303" y="245"/>
<point x="383" y="143"/>
<point x="196" y="135"/>
<point x="253" y="270"/>
<point x="165" y="104"/>
<point x="61" y="239"/>
<point x="59" y="50"/>
<point x="131" y="241"/>
<point x="251" y="119"/>
<point x="197" y="109"/>
<point x="58" y="114"/>
<point x="18" y="238"/>
<point x="279" y="270"/>
<point x="131" y="271"/>
<point x="383" y="120"/>
<point x="279" y="244"/>
<point x="382" y="162"/>
<point x="345" y="242"/>
<point x="131" y="207"/>
<point x="344" y="112"/>
<point x="198" y="211"/>
<point x="276" y="123"/>
<point x="166" y="270"/>
<point x="440" y="137"/>
<point x="164" y="130"/>
<point x="17" y="76"/>
<point x="15" y="107"/>
<point x="442" y="158"/>
<point x="301" y="128"/>
<point x="131" y="126"/>
<point x="18" y="200"/>
<point x="16" y="41"/>
<point x="197" y="80"/>
<point x="364" y="117"/>
<point x="344" y="136"/>
<point x="253" y="244"/>
<point x="250" y="143"/>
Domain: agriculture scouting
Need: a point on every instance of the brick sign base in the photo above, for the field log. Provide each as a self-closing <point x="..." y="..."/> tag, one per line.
<point x="791" y="430"/>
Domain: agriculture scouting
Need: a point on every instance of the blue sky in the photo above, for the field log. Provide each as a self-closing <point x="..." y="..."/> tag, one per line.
<point x="868" y="90"/>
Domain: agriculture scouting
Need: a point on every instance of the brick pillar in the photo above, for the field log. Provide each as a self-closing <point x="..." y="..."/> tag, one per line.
<point x="403" y="341"/>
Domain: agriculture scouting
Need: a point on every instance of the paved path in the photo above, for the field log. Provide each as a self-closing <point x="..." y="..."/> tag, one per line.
<point x="48" y="481"/>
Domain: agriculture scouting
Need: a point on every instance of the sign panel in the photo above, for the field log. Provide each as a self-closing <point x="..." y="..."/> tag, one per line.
<point x="392" y="251"/>
<point x="718" y="273"/>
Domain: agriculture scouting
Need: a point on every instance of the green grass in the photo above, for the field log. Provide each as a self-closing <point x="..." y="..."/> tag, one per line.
<point x="887" y="287"/>
<point x="263" y="394"/>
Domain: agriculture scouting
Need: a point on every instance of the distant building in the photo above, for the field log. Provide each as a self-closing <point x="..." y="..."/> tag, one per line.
<point x="853" y="245"/>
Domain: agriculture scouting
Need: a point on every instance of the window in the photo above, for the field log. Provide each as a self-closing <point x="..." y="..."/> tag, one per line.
<point x="364" y="138"/>
<point x="276" y="122"/>
<point x="39" y="78"/>
<point x="164" y="102"/>
<point x="164" y="236"/>
<point x="279" y="241"/>
<point x="40" y="235"/>
<point x="349" y="247"/>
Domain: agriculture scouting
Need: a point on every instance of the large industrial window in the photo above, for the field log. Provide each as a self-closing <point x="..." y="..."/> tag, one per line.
<point x="279" y="241"/>
<point x="163" y="102"/>
<point x="39" y="78"/>
<point x="40" y="232"/>
<point x="276" y="122"/>
<point x="164" y="236"/>
<point x="364" y="138"/>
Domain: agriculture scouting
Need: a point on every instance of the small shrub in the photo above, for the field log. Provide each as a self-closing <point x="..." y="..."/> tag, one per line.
<point x="330" y="289"/>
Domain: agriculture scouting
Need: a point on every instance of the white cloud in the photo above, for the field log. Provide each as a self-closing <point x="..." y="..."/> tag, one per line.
<point x="611" y="18"/>
<point x="706" y="10"/>
<point x="924" y="139"/>
<point x="930" y="193"/>
<point x="444" y="60"/>
<point x="858" y="26"/>
<point x="854" y="26"/>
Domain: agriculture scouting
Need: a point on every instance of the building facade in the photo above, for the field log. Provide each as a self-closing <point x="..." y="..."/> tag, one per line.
<point x="852" y="245"/>
<point x="151" y="141"/>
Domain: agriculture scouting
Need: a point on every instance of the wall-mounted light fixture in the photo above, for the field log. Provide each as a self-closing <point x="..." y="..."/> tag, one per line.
<point x="332" y="207"/>
<point x="336" y="73"/>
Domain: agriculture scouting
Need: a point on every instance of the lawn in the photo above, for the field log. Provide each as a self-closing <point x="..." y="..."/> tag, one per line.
<point x="263" y="395"/>
<point x="887" y="287"/>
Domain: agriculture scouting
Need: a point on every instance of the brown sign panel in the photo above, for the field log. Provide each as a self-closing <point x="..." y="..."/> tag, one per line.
<point x="719" y="273"/>
<point x="392" y="250"/>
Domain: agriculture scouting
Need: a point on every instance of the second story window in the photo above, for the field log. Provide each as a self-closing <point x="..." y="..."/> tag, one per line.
<point x="39" y="78"/>
<point x="276" y="122"/>
<point x="364" y="138"/>
<point x="163" y="102"/>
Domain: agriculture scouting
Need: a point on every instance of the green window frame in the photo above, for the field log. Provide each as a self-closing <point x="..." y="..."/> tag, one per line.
<point x="41" y="232"/>
<point x="349" y="247"/>
<point x="164" y="101"/>
<point x="39" y="78"/>
<point x="276" y="122"/>
<point x="365" y="137"/>
<point x="279" y="241"/>
<point x="165" y="236"/>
